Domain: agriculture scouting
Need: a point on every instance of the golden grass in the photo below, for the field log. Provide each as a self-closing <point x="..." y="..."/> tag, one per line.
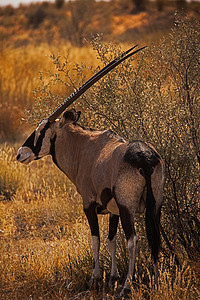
<point x="121" y="24"/>
<point x="45" y="242"/>
<point x="38" y="223"/>
<point x="20" y="75"/>
<point x="45" y="250"/>
<point x="20" y="68"/>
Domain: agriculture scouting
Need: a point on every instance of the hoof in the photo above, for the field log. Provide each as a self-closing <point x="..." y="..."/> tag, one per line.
<point x="112" y="281"/>
<point x="125" y="292"/>
<point x="95" y="283"/>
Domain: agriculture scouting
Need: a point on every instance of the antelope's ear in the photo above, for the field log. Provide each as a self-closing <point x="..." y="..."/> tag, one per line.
<point x="70" y="116"/>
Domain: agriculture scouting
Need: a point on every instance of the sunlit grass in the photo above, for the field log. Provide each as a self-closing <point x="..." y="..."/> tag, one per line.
<point x="45" y="239"/>
<point x="46" y="246"/>
<point x="20" y="74"/>
<point x="20" y="68"/>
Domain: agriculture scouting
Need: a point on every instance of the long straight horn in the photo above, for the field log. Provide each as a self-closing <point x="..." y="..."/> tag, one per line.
<point x="91" y="81"/>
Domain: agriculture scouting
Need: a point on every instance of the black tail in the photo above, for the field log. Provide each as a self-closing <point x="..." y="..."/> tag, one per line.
<point x="152" y="219"/>
<point x="143" y="157"/>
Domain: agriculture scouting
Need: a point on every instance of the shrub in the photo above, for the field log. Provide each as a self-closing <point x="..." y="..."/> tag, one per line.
<point x="156" y="98"/>
<point x="158" y="101"/>
<point x="8" y="10"/>
<point x="59" y="3"/>
<point x="36" y="16"/>
<point x="79" y="22"/>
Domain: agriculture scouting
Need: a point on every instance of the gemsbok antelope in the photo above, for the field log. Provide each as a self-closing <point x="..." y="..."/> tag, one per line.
<point x="112" y="175"/>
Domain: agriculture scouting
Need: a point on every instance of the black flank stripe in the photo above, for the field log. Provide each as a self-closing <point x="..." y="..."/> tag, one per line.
<point x="53" y="152"/>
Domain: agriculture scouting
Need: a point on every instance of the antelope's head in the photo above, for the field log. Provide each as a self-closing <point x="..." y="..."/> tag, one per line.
<point x="38" y="144"/>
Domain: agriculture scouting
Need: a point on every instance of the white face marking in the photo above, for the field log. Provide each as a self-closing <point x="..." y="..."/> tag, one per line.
<point x="36" y="148"/>
<point x="25" y="155"/>
<point x="38" y="130"/>
<point x="46" y="142"/>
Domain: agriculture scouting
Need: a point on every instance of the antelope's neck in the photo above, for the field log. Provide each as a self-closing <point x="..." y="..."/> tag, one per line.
<point x="68" y="146"/>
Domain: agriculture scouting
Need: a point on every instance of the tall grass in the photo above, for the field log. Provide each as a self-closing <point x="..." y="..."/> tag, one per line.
<point x="45" y="248"/>
<point x="39" y="225"/>
<point x="45" y="242"/>
<point x="20" y="73"/>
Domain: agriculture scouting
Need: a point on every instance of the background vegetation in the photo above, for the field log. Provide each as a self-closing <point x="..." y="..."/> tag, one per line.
<point x="44" y="236"/>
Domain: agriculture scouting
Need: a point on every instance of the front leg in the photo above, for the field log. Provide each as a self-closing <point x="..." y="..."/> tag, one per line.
<point x="113" y="223"/>
<point x="94" y="227"/>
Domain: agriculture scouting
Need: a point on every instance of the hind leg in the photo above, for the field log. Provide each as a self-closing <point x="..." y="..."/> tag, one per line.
<point x="113" y="223"/>
<point x="127" y="220"/>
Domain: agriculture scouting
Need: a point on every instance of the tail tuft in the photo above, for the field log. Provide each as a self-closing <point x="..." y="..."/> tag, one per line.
<point x="152" y="221"/>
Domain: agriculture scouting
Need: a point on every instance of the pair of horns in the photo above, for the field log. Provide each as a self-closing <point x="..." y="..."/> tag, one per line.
<point x="91" y="81"/>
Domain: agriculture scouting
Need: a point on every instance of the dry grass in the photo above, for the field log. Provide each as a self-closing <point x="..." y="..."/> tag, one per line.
<point x="39" y="225"/>
<point x="45" y="250"/>
<point x="45" y="242"/>
<point x="20" y="75"/>
<point x="20" y="68"/>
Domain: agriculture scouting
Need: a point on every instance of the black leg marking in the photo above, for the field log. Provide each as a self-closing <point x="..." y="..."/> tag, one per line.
<point x="106" y="196"/>
<point x="53" y="152"/>
<point x="113" y="223"/>
<point x="91" y="215"/>
<point x="126" y="220"/>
